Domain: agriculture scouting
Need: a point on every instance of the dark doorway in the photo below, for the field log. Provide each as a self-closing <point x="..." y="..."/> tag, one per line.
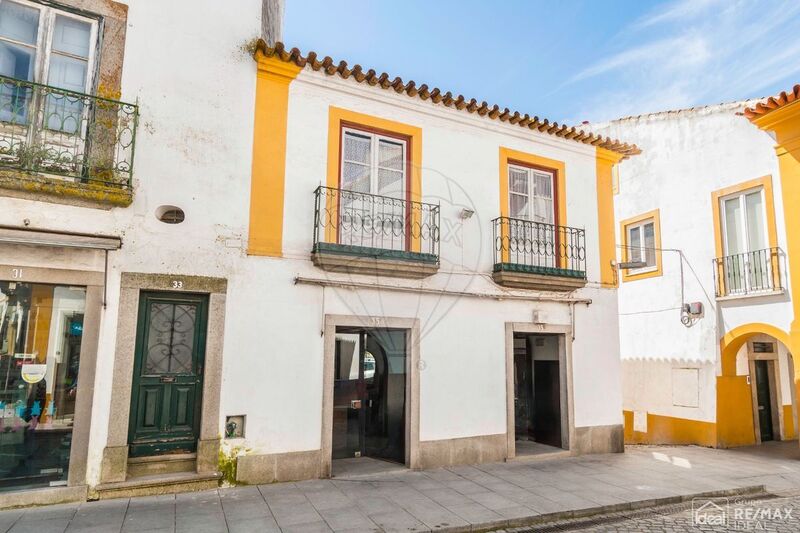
<point x="168" y="374"/>
<point x="764" y="397"/>
<point x="369" y="394"/>
<point x="537" y="391"/>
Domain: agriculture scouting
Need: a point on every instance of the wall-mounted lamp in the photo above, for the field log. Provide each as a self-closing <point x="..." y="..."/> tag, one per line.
<point x="466" y="213"/>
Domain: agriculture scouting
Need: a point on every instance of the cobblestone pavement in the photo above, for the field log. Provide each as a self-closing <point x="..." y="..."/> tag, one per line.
<point x="492" y="495"/>
<point x="776" y="512"/>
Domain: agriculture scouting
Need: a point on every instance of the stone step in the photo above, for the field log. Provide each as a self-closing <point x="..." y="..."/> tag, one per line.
<point x="161" y="464"/>
<point x="157" y="484"/>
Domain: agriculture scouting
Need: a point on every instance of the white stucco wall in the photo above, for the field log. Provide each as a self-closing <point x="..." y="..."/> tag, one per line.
<point x="686" y="156"/>
<point x="195" y="87"/>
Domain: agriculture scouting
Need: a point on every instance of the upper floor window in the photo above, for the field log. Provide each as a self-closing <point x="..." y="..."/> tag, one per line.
<point x="46" y="45"/>
<point x="531" y="194"/>
<point x="641" y="243"/>
<point x="744" y="226"/>
<point x="373" y="163"/>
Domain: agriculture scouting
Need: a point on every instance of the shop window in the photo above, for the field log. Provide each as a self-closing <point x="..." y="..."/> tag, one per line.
<point x="41" y="329"/>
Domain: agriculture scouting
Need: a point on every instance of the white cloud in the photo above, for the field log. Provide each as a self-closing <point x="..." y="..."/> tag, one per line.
<point x="676" y="11"/>
<point x="695" y="52"/>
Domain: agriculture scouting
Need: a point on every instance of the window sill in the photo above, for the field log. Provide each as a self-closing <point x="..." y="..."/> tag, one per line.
<point x="538" y="278"/>
<point x="750" y="295"/>
<point x="44" y="188"/>
<point x="374" y="261"/>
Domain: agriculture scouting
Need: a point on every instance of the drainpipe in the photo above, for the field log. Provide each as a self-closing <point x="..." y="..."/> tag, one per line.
<point x="272" y="21"/>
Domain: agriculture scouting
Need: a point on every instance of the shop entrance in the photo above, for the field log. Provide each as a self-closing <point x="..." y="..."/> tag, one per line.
<point x="369" y="394"/>
<point x="537" y="393"/>
<point x="168" y="373"/>
<point x="41" y="328"/>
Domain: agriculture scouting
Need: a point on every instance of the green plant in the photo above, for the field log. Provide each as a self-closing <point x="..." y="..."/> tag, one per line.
<point x="228" y="456"/>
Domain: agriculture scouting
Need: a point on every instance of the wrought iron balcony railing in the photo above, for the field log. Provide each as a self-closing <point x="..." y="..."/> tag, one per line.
<point x="757" y="272"/>
<point x="361" y="224"/>
<point x="49" y="130"/>
<point x="539" y="248"/>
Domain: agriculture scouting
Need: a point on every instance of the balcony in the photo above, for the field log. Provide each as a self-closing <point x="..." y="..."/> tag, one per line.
<point x="61" y="146"/>
<point x="535" y="255"/>
<point x="758" y="273"/>
<point x="364" y="233"/>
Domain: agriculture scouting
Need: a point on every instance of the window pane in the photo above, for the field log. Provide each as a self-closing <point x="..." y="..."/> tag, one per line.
<point x="357" y="148"/>
<point x="649" y="244"/>
<point x="390" y="155"/>
<point x="17" y="61"/>
<point x="634" y="244"/>
<point x="756" y="232"/>
<point x="19" y="22"/>
<point x="517" y="180"/>
<point x="355" y="177"/>
<point x="41" y="328"/>
<point x="72" y="36"/>
<point x="67" y="73"/>
<point x="543" y="185"/>
<point x="734" y="234"/>
<point x="390" y="183"/>
<point x="64" y="112"/>
<point x="170" y="340"/>
<point x="518" y="204"/>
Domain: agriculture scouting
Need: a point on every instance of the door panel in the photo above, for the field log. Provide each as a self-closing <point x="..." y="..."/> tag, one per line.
<point x="764" y="399"/>
<point x="369" y="394"/>
<point x="547" y="402"/>
<point x="167" y="381"/>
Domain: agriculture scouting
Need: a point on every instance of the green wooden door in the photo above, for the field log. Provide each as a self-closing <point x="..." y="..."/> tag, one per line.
<point x="168" y="373"/>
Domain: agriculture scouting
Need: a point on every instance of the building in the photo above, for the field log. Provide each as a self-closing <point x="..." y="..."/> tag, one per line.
<point x="281" y="262"/>
<point x="705" y="216"/>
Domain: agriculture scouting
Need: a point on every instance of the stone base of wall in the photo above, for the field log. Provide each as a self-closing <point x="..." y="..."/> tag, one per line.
<point x="269" y="468"/>
<point x="599" y="439"/>
<point x="463" y="451"/>
<point x="43" y="496"/>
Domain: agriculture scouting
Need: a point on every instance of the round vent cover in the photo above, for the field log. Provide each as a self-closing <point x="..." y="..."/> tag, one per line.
<point x="170" y="214"/>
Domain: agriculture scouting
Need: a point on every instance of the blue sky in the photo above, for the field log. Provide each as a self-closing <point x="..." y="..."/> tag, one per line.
<point x="566" y="60"/>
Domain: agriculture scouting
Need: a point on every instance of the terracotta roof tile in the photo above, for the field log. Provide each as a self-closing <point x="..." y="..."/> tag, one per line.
<point x="772" y="103"/>
<point x="435" y="95"/>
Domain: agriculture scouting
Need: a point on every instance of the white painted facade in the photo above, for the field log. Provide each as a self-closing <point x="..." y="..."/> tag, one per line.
<point x="195" y="85"/>
<point x="688" y="155"/>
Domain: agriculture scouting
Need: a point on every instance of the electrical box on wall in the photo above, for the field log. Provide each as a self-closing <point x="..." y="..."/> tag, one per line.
<point x="234" y="426"/>
<point x="694" y="309"/>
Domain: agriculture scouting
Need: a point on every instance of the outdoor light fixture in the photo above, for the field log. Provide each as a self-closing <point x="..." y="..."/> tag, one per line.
<point x="466" y="213"/>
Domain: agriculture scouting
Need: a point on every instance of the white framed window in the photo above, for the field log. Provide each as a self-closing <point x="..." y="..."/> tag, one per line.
<point x="46" y="45"/>
<point x="744" y="225"/>
<point x="531" y="194"/>
<point x="641" y="241"/>
<point x="747" y="262"/>
<point x="373" y="212"/>
<point x="373" y="163"/>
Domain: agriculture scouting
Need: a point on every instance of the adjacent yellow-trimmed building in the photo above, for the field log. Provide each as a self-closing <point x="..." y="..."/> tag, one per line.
<point x="707" y="228"/>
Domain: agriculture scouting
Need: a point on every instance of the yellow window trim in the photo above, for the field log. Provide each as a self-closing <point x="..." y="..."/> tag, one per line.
<point x="338" y="117"/>
<point x="508" y="155"/>
<point x="655" y="215"/>
<point x="764" y="182"/>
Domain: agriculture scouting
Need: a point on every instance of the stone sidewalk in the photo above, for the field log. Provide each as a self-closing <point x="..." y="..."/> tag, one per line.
<point x="463" y="498"/>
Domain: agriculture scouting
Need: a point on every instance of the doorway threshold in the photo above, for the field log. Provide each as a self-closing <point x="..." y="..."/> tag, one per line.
<point x="528" y="450"/>
<point x="361" y="467"/>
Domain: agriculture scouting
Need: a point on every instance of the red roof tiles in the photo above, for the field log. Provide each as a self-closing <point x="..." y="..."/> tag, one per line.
<point x="772" y="103"/>
<point x="436" y="96"/>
